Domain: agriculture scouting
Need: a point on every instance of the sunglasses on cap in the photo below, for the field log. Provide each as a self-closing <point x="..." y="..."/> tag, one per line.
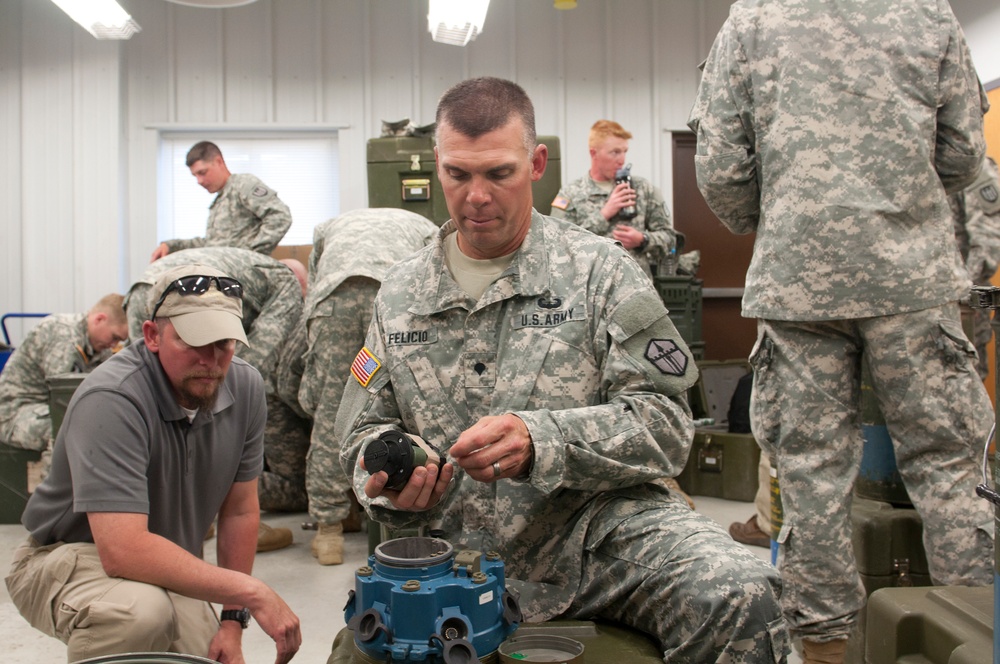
<point x="196" y="284"/>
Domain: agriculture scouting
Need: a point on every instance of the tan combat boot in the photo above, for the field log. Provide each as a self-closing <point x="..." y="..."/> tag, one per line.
<point x="824" y="652"/>
<point x="272" y="539"/>
<point x="328" y="545"/>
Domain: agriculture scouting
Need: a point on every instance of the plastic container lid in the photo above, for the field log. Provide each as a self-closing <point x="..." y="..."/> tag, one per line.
<point x="541" y="648"/>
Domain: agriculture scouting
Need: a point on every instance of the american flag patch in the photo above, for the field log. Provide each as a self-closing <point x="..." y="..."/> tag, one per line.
<point x="560" y="202"/>
<point x="364" y="366"/>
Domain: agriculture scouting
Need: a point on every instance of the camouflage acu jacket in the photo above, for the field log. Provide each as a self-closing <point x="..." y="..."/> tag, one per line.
<point x="573" y="339"/>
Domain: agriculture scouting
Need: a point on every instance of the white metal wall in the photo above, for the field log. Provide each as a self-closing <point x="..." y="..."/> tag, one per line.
<point x="80" y="119"/>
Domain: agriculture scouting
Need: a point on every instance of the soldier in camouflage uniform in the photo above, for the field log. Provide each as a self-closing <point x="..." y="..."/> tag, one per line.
<point x="350" y="256"/>
<point x="976" y="215"/>
<point x="272" y="304"/>
<point x="595" y="201"/>
<point x="61" y="343"/>
<point x="539" y="359"/>
<point x="835" y="131"/>
<point x="245" y="213"/>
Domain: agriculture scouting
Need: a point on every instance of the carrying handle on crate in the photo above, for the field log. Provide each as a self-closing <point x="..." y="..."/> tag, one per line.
<point x="3" y="323"/>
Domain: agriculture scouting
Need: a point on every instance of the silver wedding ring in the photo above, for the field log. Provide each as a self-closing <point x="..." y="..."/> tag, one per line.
<point x="496" y="469"/>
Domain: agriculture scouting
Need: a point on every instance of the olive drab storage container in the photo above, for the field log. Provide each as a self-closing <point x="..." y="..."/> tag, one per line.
<point x="888" y="545"/>
<point x="721" y="464"/>
<point x="61" y="390"/>
<point x="402" y="174"/>
<point x="682" y="296"/>
<point x="933" y="625"/>
<point x="17" y="467"/>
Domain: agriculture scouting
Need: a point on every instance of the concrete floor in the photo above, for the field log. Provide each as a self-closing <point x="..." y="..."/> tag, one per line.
<point x="316" y="593"/>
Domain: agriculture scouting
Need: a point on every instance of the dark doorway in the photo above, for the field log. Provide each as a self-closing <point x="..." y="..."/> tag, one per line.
<point x="724" y="260"/>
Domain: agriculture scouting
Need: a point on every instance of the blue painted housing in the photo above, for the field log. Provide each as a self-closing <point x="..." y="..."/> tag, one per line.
<point x="419" y="601"/>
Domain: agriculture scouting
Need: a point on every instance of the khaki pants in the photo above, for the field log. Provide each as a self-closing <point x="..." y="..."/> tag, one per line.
<point x="62" y="590"/>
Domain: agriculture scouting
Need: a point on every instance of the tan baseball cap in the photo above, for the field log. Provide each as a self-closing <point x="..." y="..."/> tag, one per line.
<point x="199" y="318"/>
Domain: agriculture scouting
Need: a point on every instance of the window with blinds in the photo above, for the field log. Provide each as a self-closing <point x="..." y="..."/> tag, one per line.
<point x="304" y="170"/>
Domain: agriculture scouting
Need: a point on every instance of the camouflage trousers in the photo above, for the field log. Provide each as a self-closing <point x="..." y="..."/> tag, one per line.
<point x="674" y="574"/>
<point x="336" y="332"/>
<point x="805" y="414"/>
<point x="30" y="428"/>
<point x="982" y="332"/>
<point x="282" y="486"/>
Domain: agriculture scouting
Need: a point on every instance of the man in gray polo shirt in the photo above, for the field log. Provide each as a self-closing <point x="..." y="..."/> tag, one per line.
<point x="155" y="443"/>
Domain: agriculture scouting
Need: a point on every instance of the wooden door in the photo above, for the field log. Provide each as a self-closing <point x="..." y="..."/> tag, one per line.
<point x="725" y="258"/>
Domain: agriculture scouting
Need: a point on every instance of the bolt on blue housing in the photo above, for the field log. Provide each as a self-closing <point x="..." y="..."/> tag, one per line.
<point x="419" y="601"/>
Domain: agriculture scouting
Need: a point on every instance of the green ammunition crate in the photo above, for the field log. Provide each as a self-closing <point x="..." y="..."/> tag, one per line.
<point x="602" y="641"/>
<point x="697" y="350"/>
<point x="721" y="465"/>
<point x="402" y="174"/>
<point x="888" y="545"/>
<point x="15" y="464"/>
<point x="934" y="625"/>
<point x="682" y="297"/>
<point x="14" y="471"/>
<point x="61" y="389"/>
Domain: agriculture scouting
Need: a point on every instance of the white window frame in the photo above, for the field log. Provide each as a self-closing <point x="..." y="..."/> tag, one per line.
<point x="310" y="188"/>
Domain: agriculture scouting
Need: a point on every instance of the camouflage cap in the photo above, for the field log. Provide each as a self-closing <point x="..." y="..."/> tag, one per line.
<point x="199" y="318"/>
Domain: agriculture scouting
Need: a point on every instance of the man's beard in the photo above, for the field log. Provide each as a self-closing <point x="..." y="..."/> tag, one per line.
<point x="198" y="400"/>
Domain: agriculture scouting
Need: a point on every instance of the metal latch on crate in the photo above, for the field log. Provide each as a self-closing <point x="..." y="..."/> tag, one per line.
<point x="710" y="456"/>
<point x="901" y="573"/>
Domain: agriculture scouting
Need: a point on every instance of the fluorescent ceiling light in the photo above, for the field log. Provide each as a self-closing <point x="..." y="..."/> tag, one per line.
<point x="456" y="21"/>
<point x="213" y="4"/>
<point x="105" y="19"/>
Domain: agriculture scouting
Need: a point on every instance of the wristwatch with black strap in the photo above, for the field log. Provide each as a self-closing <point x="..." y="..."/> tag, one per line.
<point x="242" y="616"/>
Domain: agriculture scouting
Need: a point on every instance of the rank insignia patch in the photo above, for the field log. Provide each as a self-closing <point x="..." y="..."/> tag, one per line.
<point x="989" y="193"/>
<point x="667" y="357"/>
<point x="365" y="366"/>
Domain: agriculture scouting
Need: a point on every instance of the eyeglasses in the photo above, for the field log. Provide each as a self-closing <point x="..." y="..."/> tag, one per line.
<point x="196" y="284"/>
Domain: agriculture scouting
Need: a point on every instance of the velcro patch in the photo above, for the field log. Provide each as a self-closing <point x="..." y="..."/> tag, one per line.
<point x="260" y="191"/>
<point x="365" y="366"/>
<point x="560" y="202"/>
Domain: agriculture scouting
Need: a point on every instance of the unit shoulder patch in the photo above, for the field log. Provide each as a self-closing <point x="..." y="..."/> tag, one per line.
<point x="989" y="193"/>
<point x="667" y="356"/>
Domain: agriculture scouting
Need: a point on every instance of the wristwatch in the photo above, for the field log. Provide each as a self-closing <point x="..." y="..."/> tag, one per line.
<point x="242" y="616"/>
